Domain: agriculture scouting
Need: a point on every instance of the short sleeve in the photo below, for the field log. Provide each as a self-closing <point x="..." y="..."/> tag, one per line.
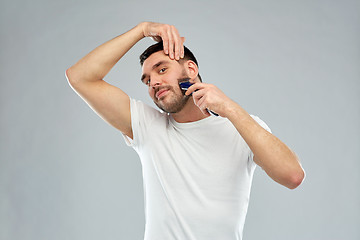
<point x="142" y="116"/>
<point x="263" y="125"/>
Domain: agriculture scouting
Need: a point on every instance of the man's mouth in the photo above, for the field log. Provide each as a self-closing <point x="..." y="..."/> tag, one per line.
<point x="160" y="93"/>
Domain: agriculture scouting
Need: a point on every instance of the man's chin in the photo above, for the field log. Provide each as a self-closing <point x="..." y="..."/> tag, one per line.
<point x="173" y="107"/>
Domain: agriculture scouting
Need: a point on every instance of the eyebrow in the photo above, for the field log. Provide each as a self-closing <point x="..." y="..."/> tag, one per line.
<point x="153" y="67"/>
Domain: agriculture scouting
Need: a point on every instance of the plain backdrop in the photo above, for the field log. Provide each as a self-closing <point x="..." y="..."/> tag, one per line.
<point x="67" y="174"/>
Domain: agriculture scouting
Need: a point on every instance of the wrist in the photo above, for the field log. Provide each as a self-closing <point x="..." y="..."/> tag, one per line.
<point x="235" y="111"/>
<point x="142" y="26"/>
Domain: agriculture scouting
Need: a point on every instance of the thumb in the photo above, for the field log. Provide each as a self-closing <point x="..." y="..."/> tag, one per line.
<point x="157" y="38"/>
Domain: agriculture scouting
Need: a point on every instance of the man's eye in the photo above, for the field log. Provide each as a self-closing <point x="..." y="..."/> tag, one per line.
<point x="146" y="82"/>
<point x="162" y="70"/>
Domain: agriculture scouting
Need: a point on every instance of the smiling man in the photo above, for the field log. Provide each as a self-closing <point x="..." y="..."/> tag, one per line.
<point x="197" y="168"/>
<point x="159" y="88"/>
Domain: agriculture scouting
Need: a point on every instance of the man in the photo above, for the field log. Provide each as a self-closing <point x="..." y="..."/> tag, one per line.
<point x="197" y="168"/>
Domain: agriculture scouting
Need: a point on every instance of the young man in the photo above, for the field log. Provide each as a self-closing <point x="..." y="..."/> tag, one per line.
<point x="197" y="168"/>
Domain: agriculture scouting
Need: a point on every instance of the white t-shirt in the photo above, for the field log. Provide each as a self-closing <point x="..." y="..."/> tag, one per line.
<point x="197" y="176"/>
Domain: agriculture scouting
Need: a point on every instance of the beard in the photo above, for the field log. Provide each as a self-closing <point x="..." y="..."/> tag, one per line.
<point x="176" y="99"/>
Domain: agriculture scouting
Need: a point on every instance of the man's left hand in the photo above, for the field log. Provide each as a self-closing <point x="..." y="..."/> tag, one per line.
<point x="209" y="97"/>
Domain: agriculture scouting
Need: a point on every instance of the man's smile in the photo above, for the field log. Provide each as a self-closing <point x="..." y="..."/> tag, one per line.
<point x="161" y="92"/>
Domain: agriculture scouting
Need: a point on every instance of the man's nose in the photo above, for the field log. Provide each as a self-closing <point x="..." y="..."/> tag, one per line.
<point x="155" y="82"/>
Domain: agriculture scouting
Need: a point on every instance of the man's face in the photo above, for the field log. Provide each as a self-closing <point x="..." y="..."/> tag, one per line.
<point x="162" y="76"/>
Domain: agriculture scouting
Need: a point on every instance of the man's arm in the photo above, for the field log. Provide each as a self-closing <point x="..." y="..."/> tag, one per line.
<point x="271" y="154"/>
<point x="108" y="101"/>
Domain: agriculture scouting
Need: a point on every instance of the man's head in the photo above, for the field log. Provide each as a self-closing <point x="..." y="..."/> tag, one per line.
<point x="188" y="55"/>
<point x="162" y="75"/>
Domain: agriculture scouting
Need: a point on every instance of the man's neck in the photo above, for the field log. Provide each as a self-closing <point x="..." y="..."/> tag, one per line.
<point x="190" y="113"/>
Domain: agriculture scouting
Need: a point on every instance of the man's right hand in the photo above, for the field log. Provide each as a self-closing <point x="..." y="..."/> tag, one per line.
<point x="173" y="43"/>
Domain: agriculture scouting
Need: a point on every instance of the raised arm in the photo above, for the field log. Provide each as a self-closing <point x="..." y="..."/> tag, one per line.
<point x="108" y="101"/>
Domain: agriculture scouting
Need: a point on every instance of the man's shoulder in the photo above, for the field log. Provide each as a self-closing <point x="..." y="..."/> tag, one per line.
<point x="145" y="110"/>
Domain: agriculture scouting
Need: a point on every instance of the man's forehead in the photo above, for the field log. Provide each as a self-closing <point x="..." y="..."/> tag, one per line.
<point x="154" y="59"/>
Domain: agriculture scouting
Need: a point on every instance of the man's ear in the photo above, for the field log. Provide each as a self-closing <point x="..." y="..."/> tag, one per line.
<point x="191" y="69"/>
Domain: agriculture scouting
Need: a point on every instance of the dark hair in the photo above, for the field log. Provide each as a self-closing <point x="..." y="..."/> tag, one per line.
<point x="188" y="55"/>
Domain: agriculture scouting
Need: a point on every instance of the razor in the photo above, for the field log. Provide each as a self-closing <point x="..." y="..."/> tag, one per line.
<point x="185" y="85"/>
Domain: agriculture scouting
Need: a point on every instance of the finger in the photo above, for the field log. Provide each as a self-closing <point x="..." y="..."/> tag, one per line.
<point x="157" y="38"/>
<point x="194" y="87"/>
<point x="203" y="109"/>
<point x="200" y="100"/>
<point x="199" y="94"/>
<point x="177" y="42"/>
<point x="182" y="52"/>
<point x="165" y="40"/>
<point x="171" y="43"/>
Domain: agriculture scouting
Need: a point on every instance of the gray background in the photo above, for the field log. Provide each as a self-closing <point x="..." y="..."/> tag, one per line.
<point x="66" y="174"/>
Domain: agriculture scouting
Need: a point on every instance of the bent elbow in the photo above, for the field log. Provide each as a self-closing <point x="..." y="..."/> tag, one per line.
<point x="67" y="75"/>
<point x="296" y="179"/>
<point x="71" y="77"/>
